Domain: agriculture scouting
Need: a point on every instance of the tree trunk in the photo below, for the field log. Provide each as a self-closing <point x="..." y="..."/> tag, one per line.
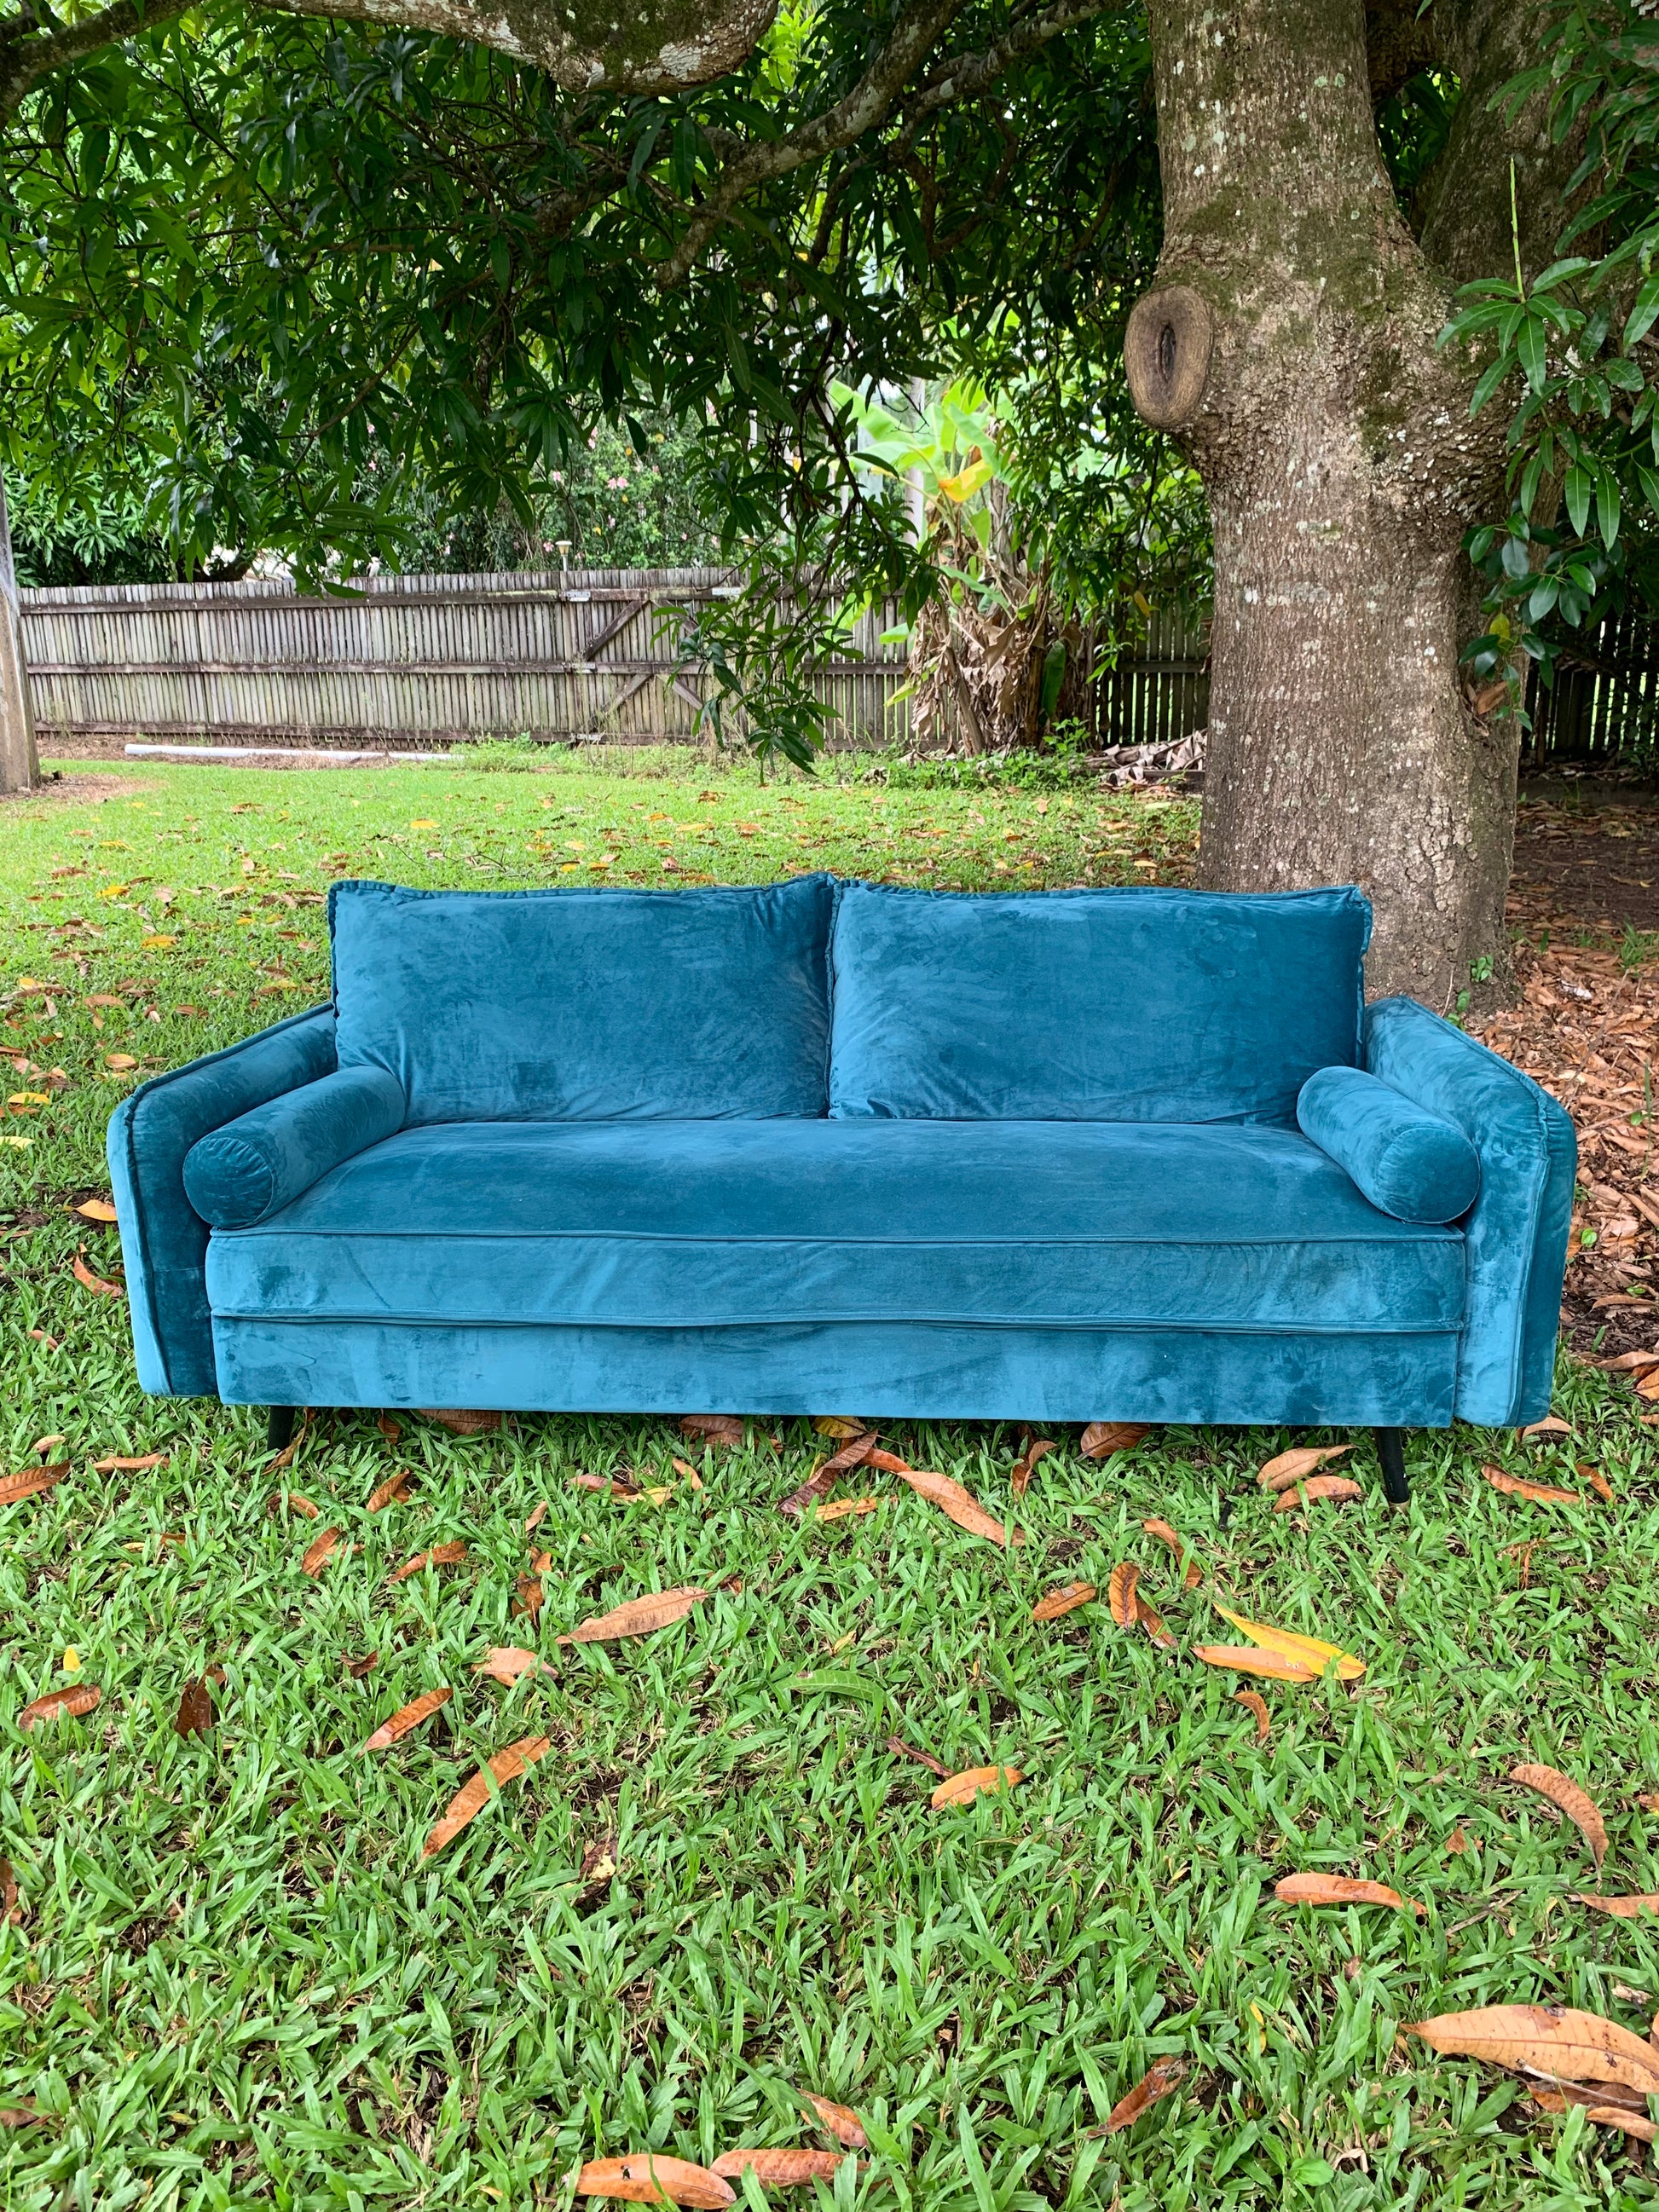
<point x="1343" y="469"/>
<point x="20" y="766"/>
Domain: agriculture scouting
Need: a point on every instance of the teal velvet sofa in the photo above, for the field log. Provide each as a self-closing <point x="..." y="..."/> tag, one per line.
<point x="821" y="1147"/>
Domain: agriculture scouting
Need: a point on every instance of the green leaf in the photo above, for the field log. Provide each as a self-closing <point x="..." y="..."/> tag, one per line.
<point x="1558" y="271"/>
<point x="1645" y="312"/>
<point x="1649" y="484"/>
<point x="1530" y="341"/>
<point x="1607" y="506"/>
<point x="1576" y="492"/>
<point x="1491" y="377"/>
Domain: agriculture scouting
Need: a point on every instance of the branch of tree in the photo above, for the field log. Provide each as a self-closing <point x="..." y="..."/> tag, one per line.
<point x="33" y="42"/>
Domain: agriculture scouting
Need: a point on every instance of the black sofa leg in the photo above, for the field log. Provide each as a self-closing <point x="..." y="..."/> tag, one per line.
<point x="279" y="1429"/>
<point x="1391" y="1450"/>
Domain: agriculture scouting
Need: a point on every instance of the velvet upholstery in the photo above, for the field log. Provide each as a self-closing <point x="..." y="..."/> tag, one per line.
<point x="238" y="1174"/>
<point x="668" y="1225"/>
<point x="588" y="1005"/>
<point x="1110" y="1005"/>
<point x="1410" y="1163"/>
<point x="163" y="1238"/>
<point x="881" y="1370"/>
<point x="1515" y="1233"/>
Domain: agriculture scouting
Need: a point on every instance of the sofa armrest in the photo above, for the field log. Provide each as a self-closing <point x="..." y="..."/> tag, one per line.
<point x="1515" y="1233"/>
<point x="258" y="1164"/>
<point x="163" y="1238"/>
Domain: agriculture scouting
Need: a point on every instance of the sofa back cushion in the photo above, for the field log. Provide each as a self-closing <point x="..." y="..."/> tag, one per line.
<point x="1108" y="1006"/>
<point x="576" y="1005"/>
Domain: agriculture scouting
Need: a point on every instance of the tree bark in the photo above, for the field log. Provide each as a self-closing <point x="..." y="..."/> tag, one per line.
<point x="1343" y="469"/>
<point x="20" y="765"/>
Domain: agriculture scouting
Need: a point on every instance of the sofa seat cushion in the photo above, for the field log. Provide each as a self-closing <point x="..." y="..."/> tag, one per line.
<point x="670" y="1224"/>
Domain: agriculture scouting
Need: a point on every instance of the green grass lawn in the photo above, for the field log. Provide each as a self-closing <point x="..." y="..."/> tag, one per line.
<point x="235" y="1981"/>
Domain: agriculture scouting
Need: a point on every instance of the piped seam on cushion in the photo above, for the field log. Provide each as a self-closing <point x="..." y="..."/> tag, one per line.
<point x="1102" y="1327"/>
<point x="1424" y="1232"/>
<point x="244" y="1159"/>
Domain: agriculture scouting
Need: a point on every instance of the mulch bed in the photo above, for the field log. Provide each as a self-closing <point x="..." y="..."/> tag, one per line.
<point x="1586" y="1027"/>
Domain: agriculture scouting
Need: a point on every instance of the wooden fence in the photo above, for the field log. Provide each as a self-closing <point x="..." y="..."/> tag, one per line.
<point x="417" y="661"/>
<point x="1605" y="698"/>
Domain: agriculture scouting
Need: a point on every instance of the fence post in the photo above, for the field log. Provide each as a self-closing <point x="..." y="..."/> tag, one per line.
<point x="20" y="764"/>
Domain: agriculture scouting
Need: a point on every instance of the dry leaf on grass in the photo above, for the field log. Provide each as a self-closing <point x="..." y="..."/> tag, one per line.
<point x="839" y="1509"/>
<point x="1578" y="1806"/>
<point x="822" y="1479"/>
<point x="1153" y="1625"/>
<point x="607" y="1485"/>
<point x="1292" y="1466"/>
<point x="462" y="1420"/>
<point x="441" y="1555"/>
<point x="1551" y="1425"/>
<point x="527" y="1596"/>
<point x="714" y="1428"/>
<point x="1621" y="1908"/>
<point x="405" y="1718"/>
<point x="10" y="1911"/>
<point x="963" y="1789"/>
<point x="1246" y="1659"/>
<point x="842" y="2121"/>
<point x="1102" y="1438"/>
<point x="84" y="1276"/>
<point x="1067" y="1599"/>
<point x="1121" y="1593"/>
<point x="388" y="1428"/>
<point x="649" y="2178"/>
<point x="20" y="2116"/>
<point x="638" y="1617"/>
<point x="781" y="2169"/>
<point x="318" y="1552"/>
<point x="1338" y="1488"/>
<point x="1549" y="2039"/>
<point x="900" y="1750"/>
<point x="287" y="1454"/>
<point x="958" y="1505"/>
<point x="358" y="1667"/>
<point x="1192" y="1575"/>
<point x="1597" y="1481"/>
<point x="396" y="1486"/>
<point x="31" y="1482"/>
<point x="1159" y="2079"/>
<point x="115" y="1464"/>
<point x="1457" y="1844"/>
<point x="505" y="1662"/>
<point x="1038" y="1449"/>
<point x="837" y="1425"/>
<point x="1542" y="1492"/>
<point x="195" y="1715"/>
<point x="1308" y="1649"/>
<point x="537" y="1515"/>
<point x="1258" y="1705"/>
<point x="888" y="1462"/>
<point x="74" y="1702"/>
<point x="96" y="1209"/>
<point x="469" y="1800"/>
<point x="1340" y="1889"/>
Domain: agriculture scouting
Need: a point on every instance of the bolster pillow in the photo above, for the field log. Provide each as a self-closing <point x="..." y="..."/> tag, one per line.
<point x="238" y="1174"/>
<point x="1412" y="1164"/>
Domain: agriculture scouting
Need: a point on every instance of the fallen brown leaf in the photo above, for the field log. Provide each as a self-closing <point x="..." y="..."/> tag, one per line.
<point x="1542" y="1492"/>
<point x="963" y="1789"/>
<point x="30" y="1482"/>
<point x="10" y="1911"/>
<point x="837" y="1425"/>
<point x="1159" y="2079"/>
<point x="1303" y="1460"/>
<point x="684" y="1466"/>
<point x="405" y="1718"/>
<point x="22" y="2116"/>
<point x="84" y="1276"/>
<point x="461" y="1421"/>
<point x="649" y="2178"/>
<point x="958" y="1505"/>
<point x="1549" y="2039"/>
<point x="900" y="1750"/>
<point x="1620" y="2116"/>
<point x="527" y="1596"/>
<point x="888" y="1462"/>
<point x="1258" y="1705"/>
<point x="441" y="1555"/>
<point x="471" y="1798"/>
<point x="296" y="1503"/>
<point x="1102" y="1438"/>
<point x="1067" y="1599"/>
<point x="357" y="1667"/>
<point x="1457" y="1844"/>
<point x="1551" y="1425"/>
<point x="396" y="1486"/>
<point x="537" y="1515"/>
<point x="1340" y="1889"/>
<point x="1245" y="1659"/>
<point x="838" y="1509"/>
<point x="96" y="1209"/>
<point x="317" y="1553"/>
<point x="1579" y="1807"/>
<point x="1153" y="1626"/>
<point x="1036" y="1449"/>
<point x="508" y="1661"/>
<point x="1337" y="1487"/>
<point x="195" y="1715"/>
<point x="1597" y="1481"/>
<point x="599" y="1861"/>
<point x="75" y="1703"/>
<point x="607" y="1485"/>
<point x="116" y="1464"/>
<point x="1121" y="1593"/>
<point x="841" y="2120"/>
<point x="638" y="1617"/>
<point x="388" y="1428"/>
<point x="1621" y="1908"/>
<point x="724" y="1429"/>
<point x="1290" y="1643"/>
<point x="287" y="1454"/>
<point x="1191" y="1576"/>
<point x="822" y="1479"/>
<point x="781" y="2169"/>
